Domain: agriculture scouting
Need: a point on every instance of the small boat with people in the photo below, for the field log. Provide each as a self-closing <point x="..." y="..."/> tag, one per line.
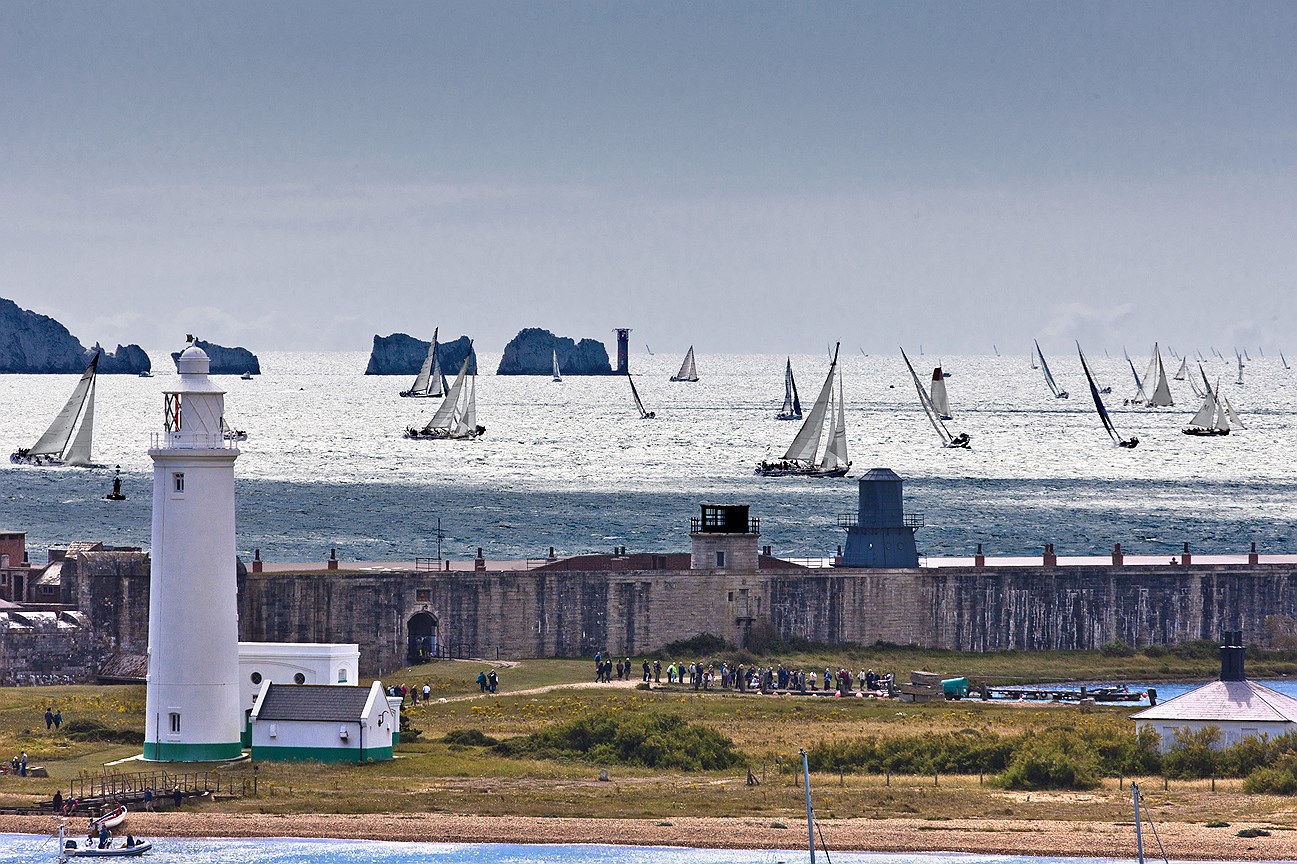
<point x="960" y="441"/>
<point x="688" y="370"/>
<point x="1212" y="418"/>
<point x="792" y="409"/>
<point x="1049" y="378"/>
<point x="67" y="441"/>
<point x="643" y="415"/>
<point x="100" y="844"/>
<point x="1129" y="443"/>
<point x="429" y="382"/>
<point x="799" y="460"/>
<point x="110" y="819"/>
<point x="456" y="418"/>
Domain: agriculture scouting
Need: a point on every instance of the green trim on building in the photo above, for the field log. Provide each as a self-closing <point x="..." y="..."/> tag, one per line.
<point x="173" y="751"/>
<point x="321" y="754"/>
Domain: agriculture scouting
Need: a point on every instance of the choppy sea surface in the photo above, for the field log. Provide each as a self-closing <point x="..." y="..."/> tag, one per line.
<point x="26" y="847"/>
<point x="571" y="465"/>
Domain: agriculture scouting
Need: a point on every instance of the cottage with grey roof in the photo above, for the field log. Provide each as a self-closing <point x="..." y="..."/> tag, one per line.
<point x="324" y="723"/>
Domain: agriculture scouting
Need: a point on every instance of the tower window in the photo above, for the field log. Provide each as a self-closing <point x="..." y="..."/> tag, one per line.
<point x="720" y="559"/>
<point x="175" y="722"/>
<point x="178" y="482"/>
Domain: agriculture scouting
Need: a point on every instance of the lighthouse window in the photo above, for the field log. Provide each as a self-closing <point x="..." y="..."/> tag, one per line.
<point x="720" y="559"/>
<point x="178" y="481"/>
<point x="175" y="723"/>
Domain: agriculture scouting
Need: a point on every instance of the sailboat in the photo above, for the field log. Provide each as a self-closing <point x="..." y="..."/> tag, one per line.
<point x="1284" y="360"/>
<point x="940" y="401"/>
<point x="558" y="376"/>
<point x="648" y="349"/>
<point x="947" y="440"/>
<point x="1161" y="397"/>
<point x="430" y="382"/>
<point x="229" y="433"/>
<point x="1140" y="397"/>
<point x="1211" y="418"/>
<point x="799" y="460"/>
<point x="643" y="415"/>
<point x="792" y="409"/>
<point x="1049" y="379"/>
<point x="688" y="372"/>
<point x="67" y="441"/>
<point x="1129" y="443"/>
<point x="1183" y="370"/>
<point x="456" y="417"/>
<point x="1240" y="369"/>
<point x="1234" y="422"/>
<point x="1033" y="361"/>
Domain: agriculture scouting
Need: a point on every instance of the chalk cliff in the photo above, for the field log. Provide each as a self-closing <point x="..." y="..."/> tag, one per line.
<point x="532" y="351"/>
<point x="401" y="354"/>
<point x="35" y="343"/>
<point x="226" y="361"/>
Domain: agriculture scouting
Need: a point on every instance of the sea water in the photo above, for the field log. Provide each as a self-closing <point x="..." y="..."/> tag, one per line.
<point x="27" y="848"/>
<point x="571" y="465"/>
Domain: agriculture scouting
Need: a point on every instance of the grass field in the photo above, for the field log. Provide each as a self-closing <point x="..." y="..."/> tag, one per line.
<point x="431" y="776"/>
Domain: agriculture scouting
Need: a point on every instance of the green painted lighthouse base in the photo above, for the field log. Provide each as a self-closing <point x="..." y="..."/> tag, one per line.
<point x="174" y="751"/>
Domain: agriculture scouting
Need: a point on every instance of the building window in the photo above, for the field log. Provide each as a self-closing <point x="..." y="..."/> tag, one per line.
<point x="178" y="482"/>
<point x="4" y="560"/>
<point x="299" y="678"/>
<point x="423" y="595"/>
<point x="731" y="596"/>
<point x="342" y="675"/>
<point x="256" y="677"/>
<point x="720" y="559"/>
<point x="175" y="722"/>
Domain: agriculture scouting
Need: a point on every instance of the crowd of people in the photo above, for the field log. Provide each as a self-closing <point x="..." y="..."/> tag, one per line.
<point x="722" y="675"/>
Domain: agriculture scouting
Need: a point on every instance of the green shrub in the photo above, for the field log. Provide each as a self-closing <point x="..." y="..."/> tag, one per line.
<point x="1116" y="648"/>
<point x="90" y="729"/>
<point x="612" y="737"/>
<point x="1279" y="779"/>
<point x="1052" y="762"/>
<point x="469" y="738"/>
<point x="952" y="753"/>
<point x="703" y="644"/>
<point x="1193" y="754"/>
<point x="1253" y="832"/>
<point x="1217" y="823"/>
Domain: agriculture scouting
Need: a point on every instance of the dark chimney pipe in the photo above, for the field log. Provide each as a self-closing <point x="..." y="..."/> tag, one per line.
<point x="1231" y="656"/>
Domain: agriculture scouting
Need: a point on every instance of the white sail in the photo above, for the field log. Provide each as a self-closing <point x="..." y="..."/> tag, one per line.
<point x="1222" y="421"/>
<point x="792" y="405"/>
<point x="1151" y="371"/>
<point x="1284" y="359"/>
<point x="1049" y="378"/>
<point x="1161" y="397"/>
<point x="928" y="410"/>
<point x="1033" y="360"/>
<point x="79" y="453"/>
<point x="1229" y="412"/>
<point x="558" y="376"/>
<point x="1207" y="413"/>
<point x="468" y="421"/>
<point x="445" y="415"/>
<point x="56" y="438"/>
<point x="422" y="380"/>
<point x="688" y="371"/>
<point x="807" y="440"/>
<point x="1240" y="369"/>
<point x="1183" y="370"/>
<point x="835" y="452"/>
<point x="940" y="402"/>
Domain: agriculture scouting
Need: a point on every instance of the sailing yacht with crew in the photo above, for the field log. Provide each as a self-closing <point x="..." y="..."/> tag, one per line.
<point x="430" y="382"/>
<point x="1212" y="418"/>
<point x="558" y="375"/>
<point x="688" y="371"/>
<point x="634" y="394"/>
<point x="1049" y="378"/>
<point x="962" y="440"/>
<point x="1129" y="443"/>
<point x="792" y="409"/>
<point x="1161" y="395"/>
<point x="937" y="395"/>
<point x="67" y="441"/>
<point x="799" y="460"/>
<point x="456" y="418"/>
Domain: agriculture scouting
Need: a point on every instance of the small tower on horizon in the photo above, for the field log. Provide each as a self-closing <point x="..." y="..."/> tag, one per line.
<point x="193" y="711"/>
<point x="623" y="350"/>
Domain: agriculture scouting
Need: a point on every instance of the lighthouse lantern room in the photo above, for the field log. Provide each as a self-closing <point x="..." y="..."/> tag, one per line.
<point x="193" y="711"/>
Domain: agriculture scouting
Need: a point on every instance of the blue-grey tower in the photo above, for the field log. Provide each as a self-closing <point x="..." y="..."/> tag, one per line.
<point x="882" y="533"/>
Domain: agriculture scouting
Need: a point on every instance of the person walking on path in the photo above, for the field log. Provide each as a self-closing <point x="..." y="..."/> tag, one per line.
<point x="22" y="763"/>
<point x="492" y="681"/>
<point x="49" y="719"/>
<point x="177" y="797"/>
<point x="481" y="681"/>
<point x="148" y="799"/>
<point x="58" y="719"/>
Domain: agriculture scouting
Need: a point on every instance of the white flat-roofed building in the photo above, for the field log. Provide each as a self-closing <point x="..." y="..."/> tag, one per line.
<point x="1238" y="707"/>
<point x="294" y="663"/>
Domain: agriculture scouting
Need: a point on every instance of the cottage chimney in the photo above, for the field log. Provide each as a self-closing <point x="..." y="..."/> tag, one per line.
<point x="1186" y="558"/>
<point x="1118" y="559"/>
<point x="1252" y="556"/>
<point x="979" y="560"/>
<point x="1231" y="656"/>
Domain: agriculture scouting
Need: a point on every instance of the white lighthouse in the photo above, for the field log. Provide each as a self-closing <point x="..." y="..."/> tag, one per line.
<point x="192" y="698"/>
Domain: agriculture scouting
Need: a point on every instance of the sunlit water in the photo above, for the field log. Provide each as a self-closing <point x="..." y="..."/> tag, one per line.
<point x="570" y="464"/>
<point x="25" y="848"/>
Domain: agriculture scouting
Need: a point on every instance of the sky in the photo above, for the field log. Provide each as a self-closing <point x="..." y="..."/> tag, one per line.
<point x="738" y="176"/>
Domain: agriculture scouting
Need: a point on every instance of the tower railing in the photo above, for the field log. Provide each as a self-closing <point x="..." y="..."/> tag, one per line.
<point x="696" y="527"/>
<point x="909" y="520"/>
<point x="189" y="441"/>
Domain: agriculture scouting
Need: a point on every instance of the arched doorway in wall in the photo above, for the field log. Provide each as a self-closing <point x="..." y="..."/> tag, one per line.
<point x="421" y="637"/>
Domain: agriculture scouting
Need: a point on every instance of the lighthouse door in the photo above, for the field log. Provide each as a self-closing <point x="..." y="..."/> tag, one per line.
<point x="421" y="637"/>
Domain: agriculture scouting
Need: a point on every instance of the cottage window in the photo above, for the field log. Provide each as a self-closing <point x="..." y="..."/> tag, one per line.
<point x="299" y="678"/>
<point x="342" y="675"/>
<point x="175" y="722"/>
<point x="256" y="677"/>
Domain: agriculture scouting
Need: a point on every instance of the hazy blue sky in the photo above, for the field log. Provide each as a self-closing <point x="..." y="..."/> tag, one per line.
<point x="741" y="176"/>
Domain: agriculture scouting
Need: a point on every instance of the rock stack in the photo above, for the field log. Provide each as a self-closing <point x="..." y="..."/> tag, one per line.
<point x="923" y="687"/>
